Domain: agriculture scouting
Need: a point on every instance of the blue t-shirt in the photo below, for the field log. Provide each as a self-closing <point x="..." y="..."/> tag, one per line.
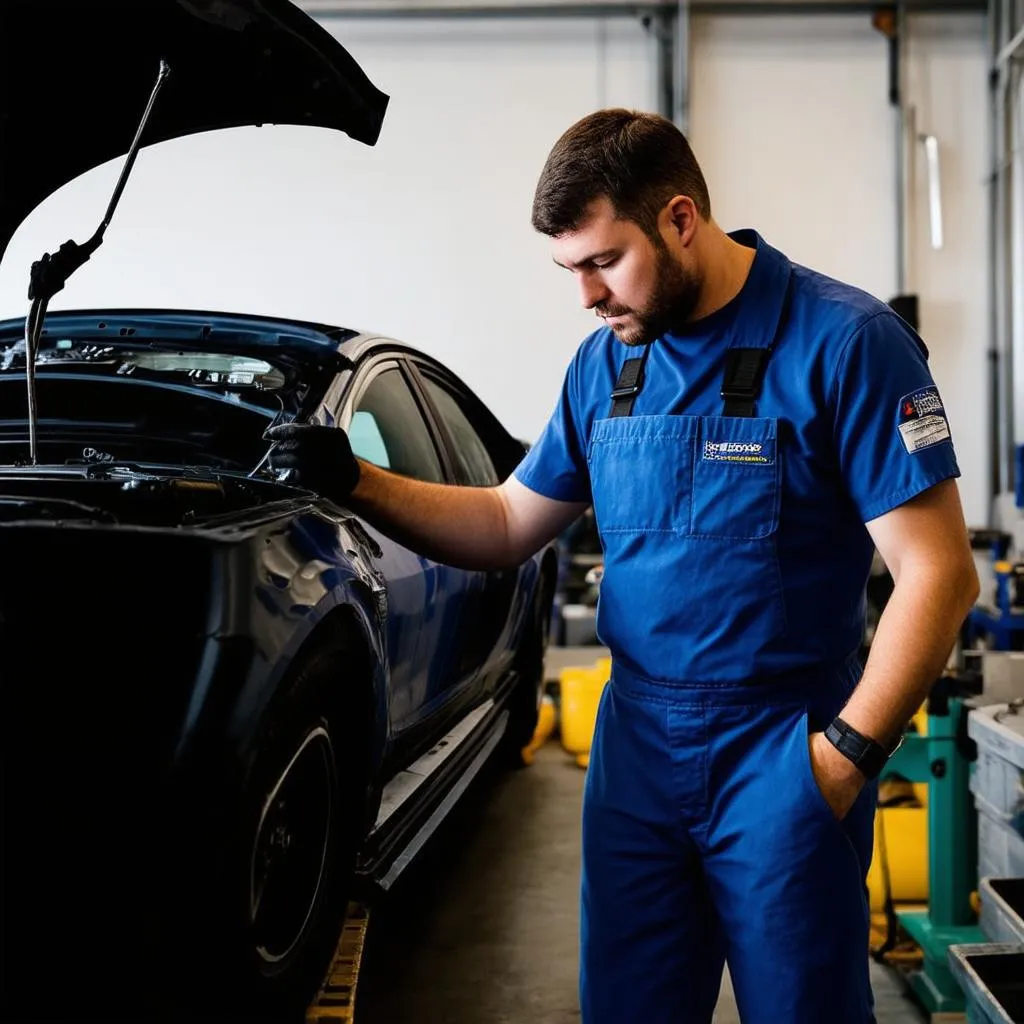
<point x="735" y="549"/>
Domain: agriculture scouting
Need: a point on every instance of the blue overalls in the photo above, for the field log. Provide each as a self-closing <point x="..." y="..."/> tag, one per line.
<point x="732" y="601"/>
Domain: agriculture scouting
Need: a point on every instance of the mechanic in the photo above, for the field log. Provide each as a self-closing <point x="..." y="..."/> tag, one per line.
<point x="748" y="432"/>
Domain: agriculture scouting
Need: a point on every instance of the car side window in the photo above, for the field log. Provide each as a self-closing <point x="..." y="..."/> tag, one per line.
<point x="475" y="463"/>
<point x="366" y="439"/>
<point x="388" y="429"/>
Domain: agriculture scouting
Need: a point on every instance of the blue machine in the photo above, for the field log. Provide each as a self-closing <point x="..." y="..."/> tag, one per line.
<point x="1000" y="628"/>
<point x="999" y="625"/>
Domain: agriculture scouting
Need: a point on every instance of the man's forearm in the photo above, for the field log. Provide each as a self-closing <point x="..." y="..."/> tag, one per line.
<point x="915" y="635"/>
<point x="461" y="526"/>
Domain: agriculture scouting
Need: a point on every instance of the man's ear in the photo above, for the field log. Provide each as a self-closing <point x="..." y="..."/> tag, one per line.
<point x="680" y="218"/>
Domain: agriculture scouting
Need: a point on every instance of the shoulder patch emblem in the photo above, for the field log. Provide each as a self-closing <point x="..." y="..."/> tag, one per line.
<point x="922" y="420"/>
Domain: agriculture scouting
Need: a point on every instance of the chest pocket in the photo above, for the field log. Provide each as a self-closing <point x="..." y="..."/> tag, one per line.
<point x="641" y="472"/>
<point x="713" y="477"/>
<point x="736" y="478"/>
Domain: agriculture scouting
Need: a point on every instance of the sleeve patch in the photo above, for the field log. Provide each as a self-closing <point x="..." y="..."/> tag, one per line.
<point x="922" y="420"/>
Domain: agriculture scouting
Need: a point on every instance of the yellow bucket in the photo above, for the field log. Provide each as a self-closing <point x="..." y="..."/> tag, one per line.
<point x="901" y="841"/>
<point x="581" y="688"/>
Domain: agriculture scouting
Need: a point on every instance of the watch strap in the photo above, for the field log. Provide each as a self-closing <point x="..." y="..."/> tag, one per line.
<point x="867" y="754"/>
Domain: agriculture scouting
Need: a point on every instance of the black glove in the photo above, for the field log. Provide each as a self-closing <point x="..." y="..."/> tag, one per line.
<point x="320" y="456"/>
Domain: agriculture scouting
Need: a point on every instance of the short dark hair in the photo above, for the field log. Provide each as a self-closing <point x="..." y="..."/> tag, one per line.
<point x="638" y="161"/>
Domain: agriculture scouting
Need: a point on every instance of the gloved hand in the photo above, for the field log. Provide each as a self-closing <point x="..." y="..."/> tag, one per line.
<point x="321" y="457"/>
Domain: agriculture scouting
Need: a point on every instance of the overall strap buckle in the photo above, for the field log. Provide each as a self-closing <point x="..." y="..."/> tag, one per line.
<point x="741" y="383"/>
<point x="629" y="383"/>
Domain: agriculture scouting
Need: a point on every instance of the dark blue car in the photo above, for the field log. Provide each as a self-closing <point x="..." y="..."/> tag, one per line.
<point x="216" y="684"/>
<point x="228" y="705"/>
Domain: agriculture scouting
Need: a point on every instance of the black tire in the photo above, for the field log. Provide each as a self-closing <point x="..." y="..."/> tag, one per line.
<point x="292" y="853"/>
<point x="524" y="701"/>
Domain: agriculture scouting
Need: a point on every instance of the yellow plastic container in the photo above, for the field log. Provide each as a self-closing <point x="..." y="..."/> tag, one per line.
<point x="581" y="688"/>
<point x="901" y="840"/>
<point x="546" y="721"/>
<point x="902" y="833"/>
<point x="921" y="724"/>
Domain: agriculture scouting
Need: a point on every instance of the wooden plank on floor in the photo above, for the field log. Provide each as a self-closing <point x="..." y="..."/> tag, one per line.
<point x="335" y="1003"/>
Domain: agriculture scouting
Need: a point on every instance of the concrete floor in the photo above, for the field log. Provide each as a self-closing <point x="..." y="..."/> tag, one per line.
<point x="483" y="928"/>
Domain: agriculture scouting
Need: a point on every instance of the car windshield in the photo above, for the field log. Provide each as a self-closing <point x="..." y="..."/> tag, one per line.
<point x="202" y="369"/>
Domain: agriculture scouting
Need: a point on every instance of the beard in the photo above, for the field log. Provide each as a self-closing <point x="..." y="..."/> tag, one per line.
<point x="674" y="299"/>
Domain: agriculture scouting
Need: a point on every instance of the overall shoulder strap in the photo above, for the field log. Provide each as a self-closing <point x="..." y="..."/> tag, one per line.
<point x="741" y="382"/>
<point x="746" y="363"/>
<point x="629" y="383"/>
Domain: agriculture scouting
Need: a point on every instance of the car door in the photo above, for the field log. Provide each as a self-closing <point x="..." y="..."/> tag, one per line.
<point x="386" y="426"/>
<point x="465" y="430"/>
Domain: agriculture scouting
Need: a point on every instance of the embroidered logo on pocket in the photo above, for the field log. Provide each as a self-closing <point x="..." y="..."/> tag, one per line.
<point x="922" y="420"/>
<point x="737" y="451"/>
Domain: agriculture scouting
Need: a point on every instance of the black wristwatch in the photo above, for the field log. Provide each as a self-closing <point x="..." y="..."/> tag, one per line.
<point x="868" y="755"/>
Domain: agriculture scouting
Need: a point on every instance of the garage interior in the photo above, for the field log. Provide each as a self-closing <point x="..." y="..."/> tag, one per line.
<point x="877" y="142"/>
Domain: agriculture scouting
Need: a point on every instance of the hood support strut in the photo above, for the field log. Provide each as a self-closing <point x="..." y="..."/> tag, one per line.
<point x="51" y="273"/>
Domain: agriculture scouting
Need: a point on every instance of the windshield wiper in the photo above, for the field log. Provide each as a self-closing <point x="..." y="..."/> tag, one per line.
<point x="51" y="273"/>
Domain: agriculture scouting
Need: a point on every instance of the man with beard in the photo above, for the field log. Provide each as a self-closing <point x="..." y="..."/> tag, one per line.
<point x="748" y="432"/>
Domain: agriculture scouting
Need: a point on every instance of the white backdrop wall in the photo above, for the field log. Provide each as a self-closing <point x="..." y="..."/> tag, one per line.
<point x="426" y="236"/>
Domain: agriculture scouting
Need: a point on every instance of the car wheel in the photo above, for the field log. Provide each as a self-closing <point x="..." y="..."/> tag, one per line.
<point x="291" y="849"/>
<point x="295" y="847"/>
<point x="524" y="702"/>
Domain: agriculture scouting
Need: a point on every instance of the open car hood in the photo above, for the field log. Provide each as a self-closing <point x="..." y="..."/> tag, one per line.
<point x="76" y="76"/>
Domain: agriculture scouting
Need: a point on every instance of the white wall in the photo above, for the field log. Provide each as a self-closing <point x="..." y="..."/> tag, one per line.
<point x="948" y="86"/>
<point x="426" y="236"/>
<point x="791" y="123"/>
